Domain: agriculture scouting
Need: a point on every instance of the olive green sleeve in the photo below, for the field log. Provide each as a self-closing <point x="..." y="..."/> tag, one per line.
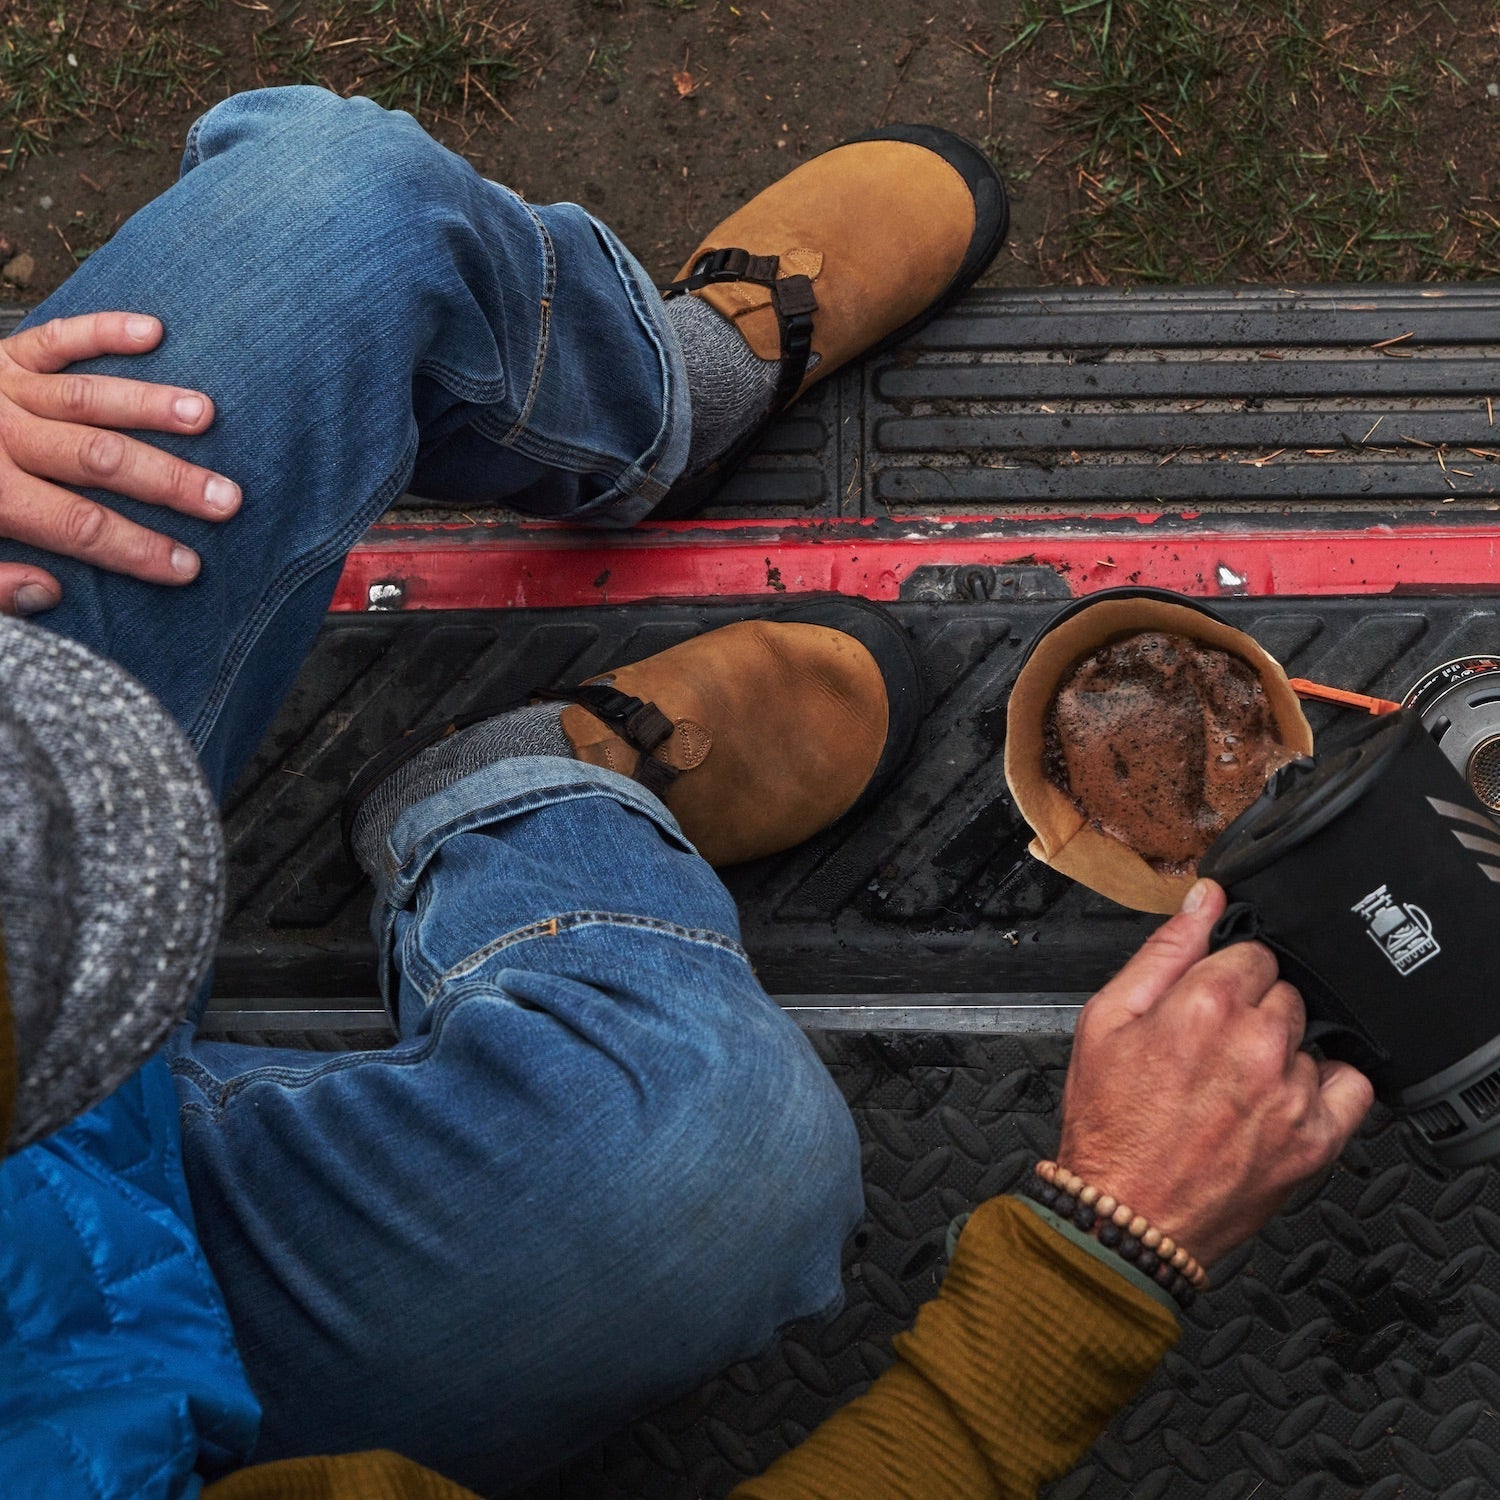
<point x="378" y="1475"/>
<point x="1004" y="1381"/>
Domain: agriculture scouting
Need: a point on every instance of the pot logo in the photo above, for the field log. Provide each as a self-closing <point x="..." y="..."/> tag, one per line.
<point x="1401" y="931"/>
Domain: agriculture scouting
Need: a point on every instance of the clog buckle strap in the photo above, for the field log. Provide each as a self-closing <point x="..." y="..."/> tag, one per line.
<point x="792" y="298"/>
<point x="643" y="726"/>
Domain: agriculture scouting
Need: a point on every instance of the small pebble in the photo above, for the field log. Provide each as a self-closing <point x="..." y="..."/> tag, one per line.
<point x="45" y="201"/>
<point x="609" y="93"/>
<point x="1493" y="90"/>
<point x="19" y="271"/>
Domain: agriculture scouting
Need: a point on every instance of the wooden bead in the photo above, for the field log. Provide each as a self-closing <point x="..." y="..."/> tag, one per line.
<point x="1106" y="1206"/>
<point x="1152" y="1238"/>
<point x="1047" y="1171"/>
<point x="1139" y="1225"/>
<point x="1075" y="1183"/>
<point x="1180" y="1257"/>
<point x="1089" y="1197"/>
<point x="1122" y="1215"/>
<point x="1167" y="1247"/>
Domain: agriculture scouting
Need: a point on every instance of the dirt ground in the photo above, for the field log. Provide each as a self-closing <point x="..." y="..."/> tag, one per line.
<point x="663" y="115"/>
<point x="659" y="119"/>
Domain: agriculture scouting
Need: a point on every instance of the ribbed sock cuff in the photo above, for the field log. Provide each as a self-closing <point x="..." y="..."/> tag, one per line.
<point x="534" y="730"/>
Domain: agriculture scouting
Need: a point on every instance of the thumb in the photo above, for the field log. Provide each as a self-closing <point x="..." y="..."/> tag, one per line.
<point x="1162" y="959"/>
<point x="25" y="590"/>
<point x="1347" y="1096"/>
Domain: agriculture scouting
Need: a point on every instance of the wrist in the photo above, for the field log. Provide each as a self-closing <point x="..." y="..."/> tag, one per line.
<point x="1123" y="1271"/>
<point x="1116" y="1227"/>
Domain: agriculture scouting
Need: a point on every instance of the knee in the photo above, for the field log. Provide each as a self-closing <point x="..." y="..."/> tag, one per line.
<point x="341" y="196"/>
<point x="757" y="1176"/>
<point x="316" y="153"/>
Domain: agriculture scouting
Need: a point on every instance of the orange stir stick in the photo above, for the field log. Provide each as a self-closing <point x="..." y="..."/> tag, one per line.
<point x="1320" y="694"/>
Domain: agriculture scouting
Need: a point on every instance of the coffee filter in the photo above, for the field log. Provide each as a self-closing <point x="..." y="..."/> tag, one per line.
<point x="1064" y="838"/>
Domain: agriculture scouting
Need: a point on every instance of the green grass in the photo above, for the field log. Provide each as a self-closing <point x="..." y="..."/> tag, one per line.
<point x="606" y="59"/>
<point x="39" y="88"/>
<point x="1260" y="139"/>
<point x="121" y="67"/>
<point x="431" y="60"/>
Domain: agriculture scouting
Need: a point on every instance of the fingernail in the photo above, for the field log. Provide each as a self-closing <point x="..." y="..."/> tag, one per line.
<point x="222" y="495"/>
<point x="184" y="562"/>
<point x="32" y="599"/>
<point x="188" y="408"/>
<point x="1195" y="898"/>
<point x="140" y="328"/>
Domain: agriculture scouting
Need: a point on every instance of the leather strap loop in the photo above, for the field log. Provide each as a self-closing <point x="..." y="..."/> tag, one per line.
<point x="643" y="726"/>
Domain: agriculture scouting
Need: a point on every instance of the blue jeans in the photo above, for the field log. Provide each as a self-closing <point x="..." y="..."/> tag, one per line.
<point x="600" y="1162"/>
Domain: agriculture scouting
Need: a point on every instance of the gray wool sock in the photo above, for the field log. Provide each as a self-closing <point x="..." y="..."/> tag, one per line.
<point x="534" y="730"/>
<point x="729" y="385"/>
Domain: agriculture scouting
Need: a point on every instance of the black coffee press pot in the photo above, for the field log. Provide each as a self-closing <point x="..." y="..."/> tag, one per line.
<point x="1373" y="873"/>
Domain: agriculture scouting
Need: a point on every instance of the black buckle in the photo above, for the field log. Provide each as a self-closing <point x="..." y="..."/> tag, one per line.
<point x="736" y="265"/>
<point x="731" y="264"/>
<point x="722" y="265"/>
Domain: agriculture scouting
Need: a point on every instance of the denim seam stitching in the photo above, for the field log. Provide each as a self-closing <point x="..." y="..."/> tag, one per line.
<point x="653" y="336"/>
<point x="420" y="849"/>
<point x="466" y="387"/>
<point x="575" y="458"/>
<point x="224" y="1090"/>
<point x="293" y="577"/>
<point x="415" y="967"/>
<point x="572" y="922"/>
<point x="649" y="324"/>
<point x="544" y="323"/>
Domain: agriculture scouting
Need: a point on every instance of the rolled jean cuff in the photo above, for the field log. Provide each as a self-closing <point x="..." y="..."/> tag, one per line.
<point x="641" y="487"/>
<point x="509" y="788"/>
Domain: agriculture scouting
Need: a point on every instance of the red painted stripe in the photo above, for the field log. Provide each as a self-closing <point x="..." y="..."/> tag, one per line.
<point x="538" y="566"/>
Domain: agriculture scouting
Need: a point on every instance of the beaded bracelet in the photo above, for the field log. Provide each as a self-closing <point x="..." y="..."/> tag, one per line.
<point x="1130" y="1235"/>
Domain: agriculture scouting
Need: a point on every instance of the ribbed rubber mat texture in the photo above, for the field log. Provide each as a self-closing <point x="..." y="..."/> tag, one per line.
<point x="930" y="890"/>
<point x="1206" y="398"/>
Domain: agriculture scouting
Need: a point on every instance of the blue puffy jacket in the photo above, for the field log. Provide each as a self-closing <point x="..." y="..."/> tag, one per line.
<point x="118" y="1371"/>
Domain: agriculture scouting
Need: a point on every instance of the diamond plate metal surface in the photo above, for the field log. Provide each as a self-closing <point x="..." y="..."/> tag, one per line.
<point x="1353" y="1350"/>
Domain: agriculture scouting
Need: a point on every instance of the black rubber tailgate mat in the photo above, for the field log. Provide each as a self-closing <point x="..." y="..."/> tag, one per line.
<point x="1207" y="398"/>
<point x="929" y="892"/>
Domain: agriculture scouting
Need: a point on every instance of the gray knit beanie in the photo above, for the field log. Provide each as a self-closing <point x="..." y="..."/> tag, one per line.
<point x="111" y="874"/>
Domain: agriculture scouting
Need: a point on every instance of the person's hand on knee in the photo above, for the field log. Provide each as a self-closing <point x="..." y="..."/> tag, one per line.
<point x="1189" y="1098"/>
<point x="55" y="431"/>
